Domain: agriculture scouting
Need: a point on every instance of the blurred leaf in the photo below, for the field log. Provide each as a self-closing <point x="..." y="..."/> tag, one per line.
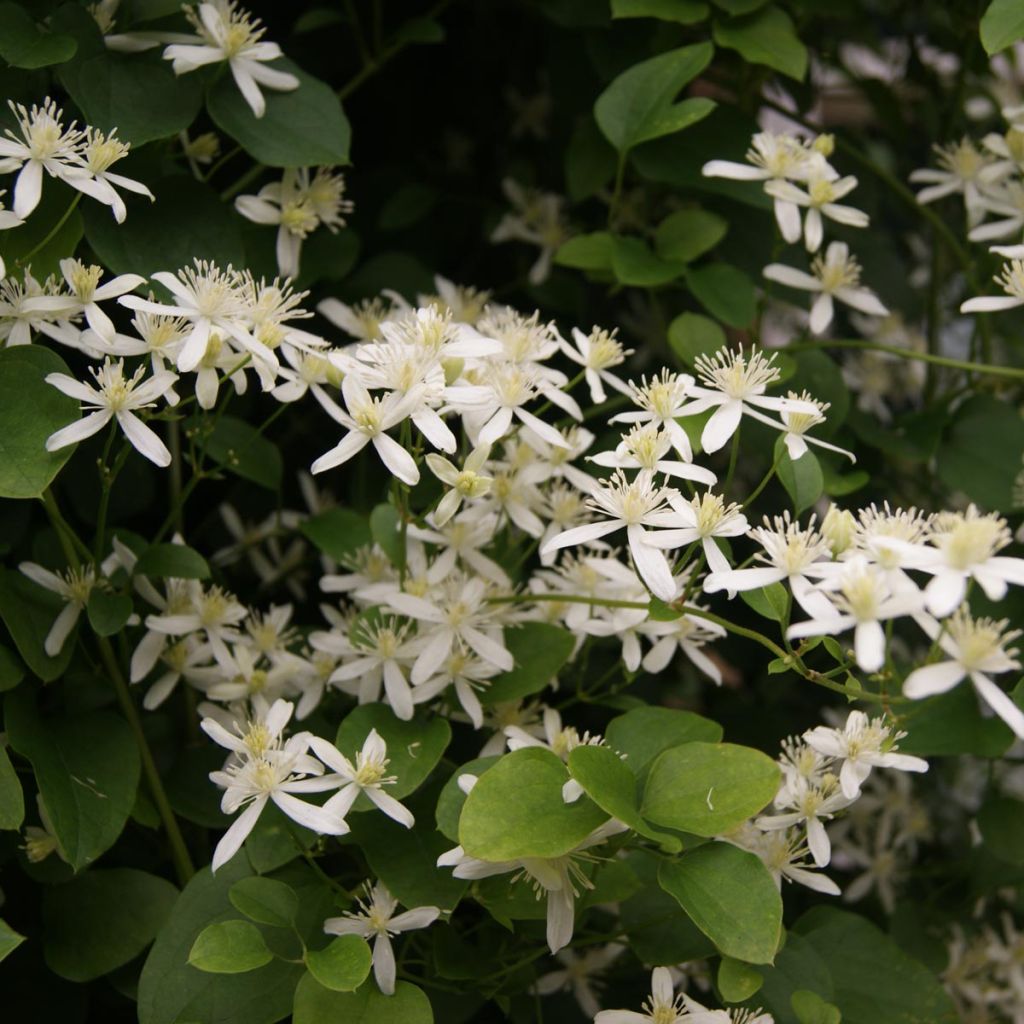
<point x="12" y="800"/>
<point x="725" y="292"/>
<point x="172" y="560"/>
<point x="803" y="479"/>
<point x="1002" y="25"/>
<point x="767" y="37"/>
<point x="633" y="263"/>
<point x="108" y="612"/>
<point x="1001" y="820"/>
<point x="10" y="940"/>
<point x="337" y="532"/>
<point x="687" y="234"/>
<point x="315" y="1004"/>
<point x="951" y="724"/>
<point x="810" y="1008"/>
<point x="691" y="335"/>
<point x="239" y="447"/>
<point x="587" y="252"/>
<point x="589" y="161"/>
<point x="23" y="44"/>
<point x="737" y="981"/>
<point x="685" y="12"/>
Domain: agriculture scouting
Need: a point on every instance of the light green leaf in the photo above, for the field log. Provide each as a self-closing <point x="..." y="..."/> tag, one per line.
<point x="12" y="800"/>
<point x="691" y="335"/>
<point x="725" y="292"/>
<point x="771" y="601"/>
<point x="10" y="940"/>
<point x="451" y="799"/>
<point x="237" y="446"/>
<point x="708" y="788"/>
<point x="587" y="252"/>
<point x="731" y="897"/>
<point x="315" y="1004"/>
<point x="229" y="947"/>
<point x="343" y="965"/>
<point x="516" y="810"/>
<point x="102" y="919"/>
<point x="643" y="733"/>
<point x="767" y="37"/>
<point x="802" y="479"/>
<point x="265" y="900"/>
<point x="685" y="12"/>
<point x="810" y="1008"/>
<point x="687" y="234"/>
<point x="540" y="650"/>
<point x="87" y="770"/>
<point x="30" y="411"/>
<point x="611" y="784"/>
<point x="304" y="127"/>
<point x="108" y="611"/>
<point x="737" y="981"/>
<point x="641" y="104"/>
<point x="23" y="44"/>
<point x="414" y="747"/>
<point x="204" y="228"/>
<point x="337" y="532"/>
<point x="634" y="264"/>
<point x="28" y="611"/>
<point x="384" y="528"/>
<point x="1002" y="25"/>
<point x="177" y="561"/>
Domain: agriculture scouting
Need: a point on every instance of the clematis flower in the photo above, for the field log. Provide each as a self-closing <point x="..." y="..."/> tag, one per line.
<point x="467" y="482"/>
<point x="74" y="587"/>
<point x="596" y="352"/>
<point x="705" y="517"/>
<point x="1011" y="277"/>
<point x="376" y="919"/>
<point x="663" y="1007"/>
<point x="99" y="153"/>
<point x="114" y="396"/>
<point x="836" y="276"/>
<point x="964" y="170"/>
<point x="820" y="200"/>
<point x="226" y="32"/>
<point x="580" y="974"/>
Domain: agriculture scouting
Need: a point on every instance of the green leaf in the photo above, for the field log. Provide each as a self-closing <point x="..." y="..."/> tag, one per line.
<point x="1001" y="820"/>
<point x="408" y="206"/>
<point x="102" y="919"/>
<point x="738" y="7"/>
<point x="204" y="228"/>
<point x="634" y="264"/>
<point x="305" y="127"/>
<point x="608" y="781"/>
<point x="797" y="967"/>
<point x="737" y="981"/>
<point x="107" y="611"/>
<point x="540" y="650"/>
<point x="685" y="12"/>
<point x="23" y="44"/>
<point x="237" y="446"/>
<point x="516" y="810"/>
<point x="452" y="799"/>
<point x="422" y="30"/>
<point x="87" y="770"/>
<point x="175" y="561"/>
<point x="229" y="947"/>
<point x="138" y="94"/>
<point x="691" y="335"/>
<point x="1002" y="25"/>
<point x="414" y="747"/>
<point x="951" y="724"/>
<point x="640" y="104"/>
<point x="28" y="611"/>
<point x="725" y="292"/>
<point x="11" y="669"/>
<point x="265" y="901"/>
<point x="384" y="528"/>
<point x="643" y="733"/>
<point x="810" y="1008"/>
<point x="731" y="897"/>
<point x="30" y="411"/>
<point x="170" y="990"/>
<point x="587" y="252"/>
<point x="767" y="37"/>
<point x="590" y="162"/>
<point x="771" y="602"/>
<point x="315" y="1004"/>
<point x="10" y="940"/>
<point x="982" y="453"/>
<point x="708" y="788"/>
<point x="687" y="234"/>
<point x="343" y="965"/>
<point x="901" y="989"/>
<point x="802" y="479"/>
<point x="46" y="237"/>
<point x="12" y="800"/>
<point x="337" y="532"/>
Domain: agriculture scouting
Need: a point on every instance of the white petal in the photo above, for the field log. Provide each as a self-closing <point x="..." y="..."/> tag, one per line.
<point x="1000" y="703"/>
<point x="933" y="679"/>
<point x="232" y="840"/>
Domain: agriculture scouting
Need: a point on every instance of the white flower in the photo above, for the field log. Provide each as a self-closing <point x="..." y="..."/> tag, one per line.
<point x="810" y="802"/>
<point x="734" y="386"/>
<point x="263" y="766"/>
<point x="367" y="420"/>
<point x="213" y="612"/>
<point x="114" y="396"/>
<point x="1011" y="277"/>
<point x="977" y="648"/>
<point x="965" y="170"/>
<point x="783" y="852"/>
<point x="8" y="219"/>
<point x="645" y="446"/>
<point x="380" y="651"/>
<point x="862" y="744"/>
<point x="704" y="517"/>
<point x="819" y="199"/>
<point x="798" y="423"/>
<point x="697" y="1013"/>
<point x="466" y="673"/>
<point x="367" y="776"/>
<point x="86" y="291"/>
<point x="538" y="219"/>
<point x="835" y="276"/>
<point x="377" y="920"/>
<point x="596" y="352"/>
<point x="468" y="482"/>
<point x="689" y="634"/>
<point x="41" y="144"/>
<point x="633" y="505"/>
<point x="74" y="586"/>
<point x="99" y="153"/>
<point x="228" y="33"/>
<point x="577" y="973"/>
<point x="661" y="402"/>
<point x="664" y="1007"/>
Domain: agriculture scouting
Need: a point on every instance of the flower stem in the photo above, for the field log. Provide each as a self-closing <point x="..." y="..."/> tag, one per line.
<point x="23" y="261"/>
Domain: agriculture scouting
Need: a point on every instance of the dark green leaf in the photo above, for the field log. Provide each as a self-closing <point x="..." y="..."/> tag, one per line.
<point x="767" y="37"/>
<point x="11" y="669"/>
<point x="12" y="800"/>
<point x="238" y="446"/>
<point x="343" y="965"/>
<point x="687" y="234"/>
<point x="23" y="44"/>
<point x="540" y="650"/>
<point x="1001" y="820"/>
<point x="28" y="612"/>
<point x="265" y="901"/>
<point x="108" y="611"/>
<point x="46" y="237"/>
<point x="685" y="12"/>
<point x="771" y="601"/>
<point x="305" y="127"/>
<point x="176" y="561"/>
<point x="337" y="532"/>
<point x="384" y="527"/>
<point x="102" y="919"/>
<point x="952" y="724"/>
<point x="802" y="479"/>
<point x="725" y="292"/>
<point x="810" y="1008"/>
<point x="315" y="1004"/>
<point x="731" y="896"/>
<point x="30" y="411"/>
<point x="589" y="162"/>
<point x="634" y="264"/>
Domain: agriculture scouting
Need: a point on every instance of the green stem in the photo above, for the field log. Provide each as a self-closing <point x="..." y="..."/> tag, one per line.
<point x="733" y="459"/>
<point x="65" y="534"/>
<point x="620" y="173"/>
<point x="51" y="234"/>
<point x="179" y="851"/>
<point x="755" y="493"/>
